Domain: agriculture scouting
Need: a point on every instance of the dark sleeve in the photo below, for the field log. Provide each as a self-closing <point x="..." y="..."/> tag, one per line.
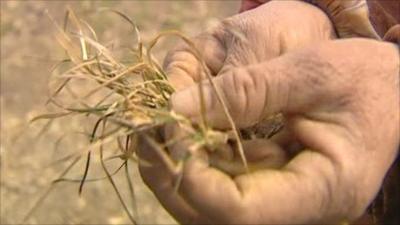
<point x="384" y="16"/>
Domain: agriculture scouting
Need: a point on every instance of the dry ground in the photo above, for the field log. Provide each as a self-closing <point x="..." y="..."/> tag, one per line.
<point x="28" y="51"/>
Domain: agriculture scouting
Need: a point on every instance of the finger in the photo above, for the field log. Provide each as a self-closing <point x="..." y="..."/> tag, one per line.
<point x="184" y="66"/>
<point x="236" y="88"/>
<point x="311" y="79"/>
<point x="301" y="193"/>
<point x="250" y="93"/>
<point x="161" y="183"/>
<point x="393" y="35"/>
<point x="319" y="185"/>
<point x="264" y="150"/>
<point x="260" y="154"/>
<point x="351" y="17"/>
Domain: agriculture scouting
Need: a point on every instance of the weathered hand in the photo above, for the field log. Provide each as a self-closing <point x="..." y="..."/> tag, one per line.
<point x="244" y="39"/>
<point x="251" y="37"/>
<point x="343" y="108"/>
<point x="330" y="94"/>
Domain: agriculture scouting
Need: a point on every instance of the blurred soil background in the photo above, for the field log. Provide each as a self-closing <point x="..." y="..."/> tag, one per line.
<point x="28" y="52"/>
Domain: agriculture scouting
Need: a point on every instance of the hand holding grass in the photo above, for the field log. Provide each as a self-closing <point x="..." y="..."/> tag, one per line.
<point x="331" y="95"/>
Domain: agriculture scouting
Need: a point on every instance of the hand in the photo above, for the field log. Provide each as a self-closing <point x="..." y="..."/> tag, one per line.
<point x="340" y="172"/>
<point x="260" y="35"/>
<point x="251" y="37"/>
<point x="334" y="106"/>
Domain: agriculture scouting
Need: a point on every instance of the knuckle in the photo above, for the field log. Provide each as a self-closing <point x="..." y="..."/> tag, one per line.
<point x="182" y="62"/>
<point x="234" y="93"/>
<point x="241" y="88"/>
<point x="180" y="55"/>
<point x="172" y="54"/>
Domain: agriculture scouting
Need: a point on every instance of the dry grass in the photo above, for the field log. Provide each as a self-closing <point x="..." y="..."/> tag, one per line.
<point x="128" y="98"/>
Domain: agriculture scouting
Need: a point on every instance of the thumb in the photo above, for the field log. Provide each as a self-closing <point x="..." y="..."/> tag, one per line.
<point x="242" y="89"/>
<point x="250" y="93"/>
<point x="310" y="79"/>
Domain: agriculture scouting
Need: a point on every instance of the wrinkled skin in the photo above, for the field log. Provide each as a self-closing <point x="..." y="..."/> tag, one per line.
<point x="331" y="94"/>
<point x="266" y="33"/>
<point x="350" y="17"/>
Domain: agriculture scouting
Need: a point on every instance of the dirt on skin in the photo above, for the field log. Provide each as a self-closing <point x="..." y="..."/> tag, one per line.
<point x="28" y="52"/>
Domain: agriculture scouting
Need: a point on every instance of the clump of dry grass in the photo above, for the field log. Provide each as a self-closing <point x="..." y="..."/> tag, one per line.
<point x="136" y="103"/>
